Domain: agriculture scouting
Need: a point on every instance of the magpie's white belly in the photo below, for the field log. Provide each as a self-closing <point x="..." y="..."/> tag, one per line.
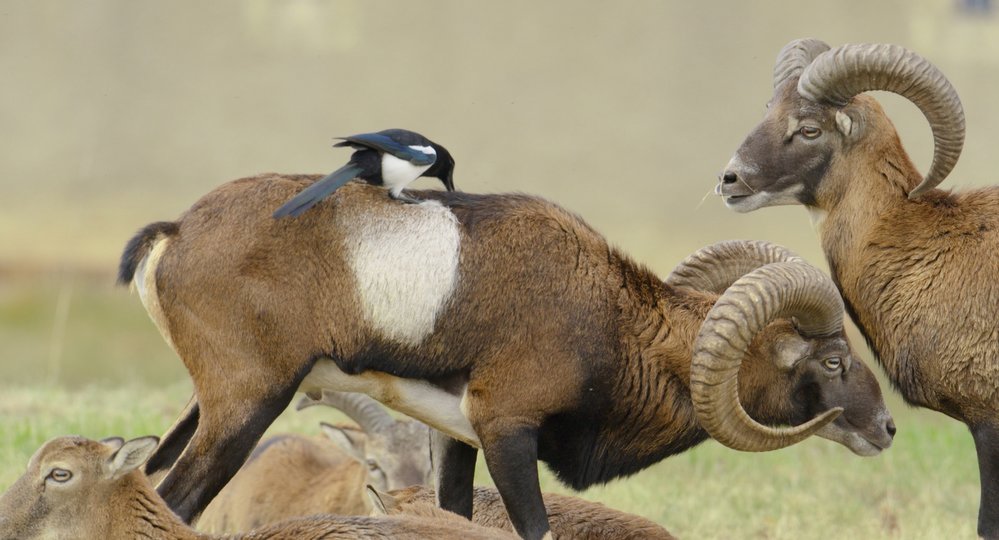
<point x="397" y="173"/>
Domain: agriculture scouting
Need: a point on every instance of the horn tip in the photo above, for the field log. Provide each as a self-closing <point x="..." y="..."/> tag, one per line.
<point x="830" y="415"/>
<point x="306" y="402"/>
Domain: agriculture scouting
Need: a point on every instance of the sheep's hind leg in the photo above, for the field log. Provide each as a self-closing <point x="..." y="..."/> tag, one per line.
<point x="233" y="416"/>
<point x="511" y="452"/>
<point x="174" y="441"/>
<point x="987" y="445"/>
<point x="454" y="472"/>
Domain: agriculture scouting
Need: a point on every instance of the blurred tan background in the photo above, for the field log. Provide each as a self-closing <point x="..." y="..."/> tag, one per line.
<point x="116" y="113"/>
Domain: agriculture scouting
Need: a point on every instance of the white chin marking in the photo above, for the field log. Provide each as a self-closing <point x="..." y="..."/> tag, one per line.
<point x="405" y="265"/>
<point x="762" y="199"/>
<point x="414" y="397"/>
<point x="397" y="173"/>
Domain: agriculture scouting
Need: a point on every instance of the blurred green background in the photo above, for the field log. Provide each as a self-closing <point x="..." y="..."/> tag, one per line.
<point x="116" y="113"/>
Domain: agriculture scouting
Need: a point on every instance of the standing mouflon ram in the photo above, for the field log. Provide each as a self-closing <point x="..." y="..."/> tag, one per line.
<point x="918" y="267"/>
<point x="502" y="321"/>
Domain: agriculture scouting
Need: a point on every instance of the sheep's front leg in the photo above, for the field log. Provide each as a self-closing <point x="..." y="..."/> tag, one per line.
<point x="454" y="472"/>
<point x="987" y="445"/>
<point x="511" y="451"/>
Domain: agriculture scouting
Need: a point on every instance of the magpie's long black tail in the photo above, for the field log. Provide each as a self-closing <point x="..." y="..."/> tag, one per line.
<point x="318" y="191"/>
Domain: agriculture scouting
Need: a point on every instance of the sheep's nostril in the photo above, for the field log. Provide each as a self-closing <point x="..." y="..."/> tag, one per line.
<point x="890" y="427"/>
<point x="729" y="177"/>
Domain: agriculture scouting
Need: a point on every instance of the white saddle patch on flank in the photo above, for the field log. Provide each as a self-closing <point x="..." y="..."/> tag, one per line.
<point x="405" y="263"/>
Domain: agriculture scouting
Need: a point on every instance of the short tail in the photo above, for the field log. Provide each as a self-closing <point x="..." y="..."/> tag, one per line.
<point x="318" y="191"/>
<point x="139" y="246"/>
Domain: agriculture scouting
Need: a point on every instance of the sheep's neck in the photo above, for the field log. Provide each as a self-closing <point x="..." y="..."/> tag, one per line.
<point x="876" y="228"/>
<point x="657" y="338"/>
<point x="149" y="516"/>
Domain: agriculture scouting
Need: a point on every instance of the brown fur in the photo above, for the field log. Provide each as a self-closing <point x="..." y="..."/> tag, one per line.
<point x="294" y="475"/>
<point x="919" y="277"/>
<point x="570" y="517"/>
<point x="555" y="333"/>
<point x="99" y="504"/>
<point x="289" y="476"/>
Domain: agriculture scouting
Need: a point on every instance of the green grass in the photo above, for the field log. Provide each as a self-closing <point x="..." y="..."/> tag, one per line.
<point x="112" y="374"/>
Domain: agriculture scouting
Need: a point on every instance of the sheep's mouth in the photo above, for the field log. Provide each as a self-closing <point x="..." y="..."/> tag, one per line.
<point x="861" y="443"/>
<point x="732" y="192"/>
<point x="867" y="447"/>
<point x="736" y="201"/>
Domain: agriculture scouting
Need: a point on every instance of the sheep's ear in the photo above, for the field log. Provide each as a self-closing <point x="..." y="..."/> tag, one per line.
<point x="844" y="123"/>
<point x="132" y="455"/>
<point x="381" y="502"/>
<point x="350" y="443"/>
<point x="791" y="349"/>
<point x="113" y="442"/>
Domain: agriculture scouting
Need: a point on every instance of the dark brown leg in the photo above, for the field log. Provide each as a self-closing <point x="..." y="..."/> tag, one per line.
<point x="511" y="452"/>
<point x="454" y="472"/>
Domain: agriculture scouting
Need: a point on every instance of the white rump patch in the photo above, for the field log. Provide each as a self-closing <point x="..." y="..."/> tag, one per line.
<point x="144" y="282"/>
<point x="405" y="264"/>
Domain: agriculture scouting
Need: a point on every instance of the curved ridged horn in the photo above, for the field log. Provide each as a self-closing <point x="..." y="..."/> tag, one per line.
<point x="367" y="412"/>
<point x="715" y="267"/>
<point x="795" y="57"/>
<point x="779" y="290"/>
<point x="838" y="75"/>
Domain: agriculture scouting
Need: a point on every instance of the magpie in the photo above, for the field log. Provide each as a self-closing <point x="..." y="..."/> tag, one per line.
<point x="392" y="158"/>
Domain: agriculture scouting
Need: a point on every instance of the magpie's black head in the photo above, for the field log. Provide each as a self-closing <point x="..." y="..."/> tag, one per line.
<point x="443" y="167"/>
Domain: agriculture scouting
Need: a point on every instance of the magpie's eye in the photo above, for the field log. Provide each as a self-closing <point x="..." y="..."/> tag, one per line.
<point x="60" y="475"/>
<point x="810" y="132"/>
<point x="832" y="363"/>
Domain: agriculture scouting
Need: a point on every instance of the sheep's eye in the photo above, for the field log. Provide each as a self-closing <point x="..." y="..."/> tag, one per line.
<point x="373" y="465"/>
<point x="60" y="475"/>
<point x="810" y="132"/>
<point x="832" y="363"/>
